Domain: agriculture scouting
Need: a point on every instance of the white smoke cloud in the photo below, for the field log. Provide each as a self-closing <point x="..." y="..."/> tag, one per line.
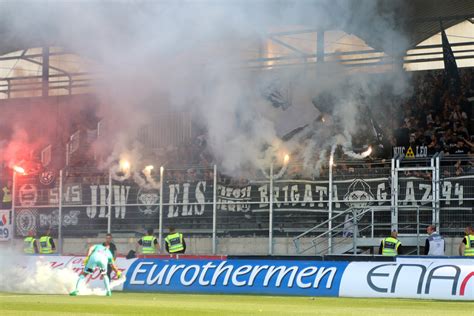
<point x="30" y="274"/>
<point x="188" y="55"/>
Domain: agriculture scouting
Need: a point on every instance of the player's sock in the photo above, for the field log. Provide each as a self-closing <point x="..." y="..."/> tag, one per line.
<point x="107" y="283"/>
<point x="79" y="281"/>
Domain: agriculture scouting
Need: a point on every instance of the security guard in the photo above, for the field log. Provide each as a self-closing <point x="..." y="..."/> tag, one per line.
<point x="466" y="248"/>
<point x="149" y="243"/>
<point x="434" y="244"/>
<point x="390" y="246"/>
<point x="30" y="245"/>
<point x="175" y="242"/>
<point x="46" y="243"/>
<point x="7" y="195"/>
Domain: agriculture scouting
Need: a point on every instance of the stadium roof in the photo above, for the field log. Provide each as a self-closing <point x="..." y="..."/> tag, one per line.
<point x="420" y="19"/>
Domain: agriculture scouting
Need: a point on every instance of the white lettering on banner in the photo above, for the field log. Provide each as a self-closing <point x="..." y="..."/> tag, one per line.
<point x="322" y="192"/>
<point x="420" y="151"/>
<point x="447" y="192"/>
<point x="381" y="193"/>
<point x="188" y="207"/>
<point x="240" y="271"/>
<point x="191" y="280"/>
<point x="120" y="199"/>
<point x="101" y="196"/>
<point x="263" y="196"/>
<point x="52" y="219"/>
<point x="308" y="195"/>
<point x="173" y="199"/>
<point x="159" y="277"/>
<point x="425" y="199"/>
<point x="207" y="266"/>
<point x="221" y="268"/>
<point x="434" y="279"/>
<point x="185" y="200"/>
<point x="276" y="195"/>
<point x="410" y="194"/>
<point x="72" y="194"/>
<point x="200" y="198"/>
<point x="459" y="191"/>
<point x="209" y="274"/>
<point x="285" y="190"/>
<point x="255" y="272"/>
<point x="294" y="195"/>
<point x="138" y="269"/>
<point x="308" y="271"/>
<point x="282" y="272"/>
<point x="173" y="269"/>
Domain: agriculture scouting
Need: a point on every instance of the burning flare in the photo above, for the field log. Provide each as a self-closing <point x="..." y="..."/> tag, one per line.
<point x="124" y="165"/>
<point x="19" y="170"/>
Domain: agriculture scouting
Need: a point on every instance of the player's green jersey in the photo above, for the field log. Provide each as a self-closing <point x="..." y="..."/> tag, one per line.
<point x="102" y="252"/>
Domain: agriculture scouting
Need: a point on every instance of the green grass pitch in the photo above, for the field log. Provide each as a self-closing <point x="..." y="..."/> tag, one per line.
<point x="194" y="304"/>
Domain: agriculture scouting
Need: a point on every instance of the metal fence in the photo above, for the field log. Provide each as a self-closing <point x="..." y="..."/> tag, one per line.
<point x="279" y="201"/>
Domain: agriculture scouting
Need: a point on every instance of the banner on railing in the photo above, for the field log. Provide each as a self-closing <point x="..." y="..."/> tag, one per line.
<point x="85" y="204"/>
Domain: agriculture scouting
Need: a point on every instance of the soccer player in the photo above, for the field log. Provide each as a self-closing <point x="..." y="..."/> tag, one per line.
<point x="99" y="256"/>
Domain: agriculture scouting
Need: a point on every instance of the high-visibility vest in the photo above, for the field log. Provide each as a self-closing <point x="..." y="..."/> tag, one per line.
<point x="7" y="196"/>
<point x="148" y="244"/>
<point x="45" y="245"/>
<point x="390" y="246"/>
<point x="29" y="245"/>
<point x="469" y="250"/>
<point x="175" y="242"/>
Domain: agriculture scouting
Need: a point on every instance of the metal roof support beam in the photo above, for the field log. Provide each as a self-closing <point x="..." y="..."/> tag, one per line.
<point x="45" y="72"/>
<point x="320" y="46"/>
<point x="292" y="48"/>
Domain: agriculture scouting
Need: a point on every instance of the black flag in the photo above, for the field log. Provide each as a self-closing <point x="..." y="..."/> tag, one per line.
<point x="376" y="129"/>
<point x="453" y="81"/>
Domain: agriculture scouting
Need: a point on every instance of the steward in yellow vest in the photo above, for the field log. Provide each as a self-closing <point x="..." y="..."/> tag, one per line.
<point x="149" y="243"/>
<point x="46" y="244"/>
<point x="390" y="246"/>
<point x="174" y="242"/>
<point x="466" y="248"/>
<point x="30" y="246"/>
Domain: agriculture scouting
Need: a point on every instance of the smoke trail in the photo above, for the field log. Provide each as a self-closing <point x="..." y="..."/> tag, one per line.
<point x="31" y="274"/>
<point x="37" y="278"/>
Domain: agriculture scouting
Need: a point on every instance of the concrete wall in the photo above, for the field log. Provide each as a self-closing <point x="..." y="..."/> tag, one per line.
<point x="225" y="246"/>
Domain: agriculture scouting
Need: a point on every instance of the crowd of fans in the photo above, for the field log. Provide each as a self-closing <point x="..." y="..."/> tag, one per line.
<point x="432" y="117"/>
<point x="435" y="116"/>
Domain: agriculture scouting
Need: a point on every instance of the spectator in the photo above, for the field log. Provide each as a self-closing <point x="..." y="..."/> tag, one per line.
<point x="434" y="244"/>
